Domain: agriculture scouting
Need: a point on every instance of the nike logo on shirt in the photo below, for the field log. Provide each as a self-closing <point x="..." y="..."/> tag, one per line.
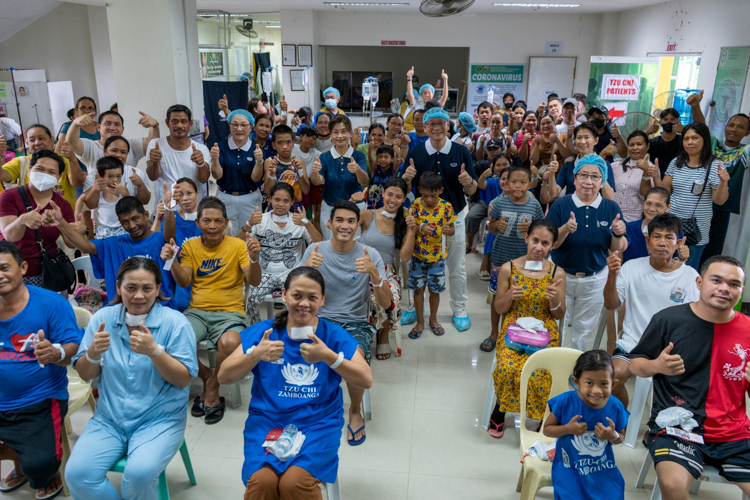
<point x="209" y="266"/>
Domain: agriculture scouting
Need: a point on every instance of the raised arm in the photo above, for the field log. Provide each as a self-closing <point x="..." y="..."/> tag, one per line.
<point x="721" y="193"/>
<point x="410" y="87"/>
<point x="73" y="136"/>
<point x="694" y="101"/>
<point x="444" y="97"/>
<point x="152" y="125"/>
<point x="611" y="297"/>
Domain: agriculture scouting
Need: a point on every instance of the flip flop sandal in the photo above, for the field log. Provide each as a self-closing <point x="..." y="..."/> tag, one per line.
<point x="438" y="330"/>
<point x="381" y="349"/>
<point x="214" y="414"/>
<point x="54" y="494"/>
<point x="498" y="431"/>
<point x="198" y="410"/>
<point x="415" y="334"/>
<point x="353" y="442"/>
<point x="488" y="345"/>
<point x="4" y="488"/>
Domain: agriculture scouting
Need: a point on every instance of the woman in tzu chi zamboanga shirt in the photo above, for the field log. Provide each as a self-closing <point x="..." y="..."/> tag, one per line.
<point x="298" y="361"/>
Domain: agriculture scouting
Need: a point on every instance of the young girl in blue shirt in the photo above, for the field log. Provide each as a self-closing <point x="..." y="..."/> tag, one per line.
<point x="585" y="423"/>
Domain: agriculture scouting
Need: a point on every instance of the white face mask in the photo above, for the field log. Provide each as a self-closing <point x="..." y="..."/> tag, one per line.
<point x="331" y="103"/>
<point x="192" y="216"/>
<point x="42" y="181"/>
<point x="281" y="219"/>
<point x="135" y="319"/>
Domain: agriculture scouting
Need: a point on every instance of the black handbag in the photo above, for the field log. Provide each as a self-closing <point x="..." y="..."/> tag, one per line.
<point x="58" y="273"/>
<point x="690" y="229"/>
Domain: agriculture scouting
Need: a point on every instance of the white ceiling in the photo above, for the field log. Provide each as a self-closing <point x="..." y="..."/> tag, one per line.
<point x="479" y="7"/>
<point x="15" y="15"/>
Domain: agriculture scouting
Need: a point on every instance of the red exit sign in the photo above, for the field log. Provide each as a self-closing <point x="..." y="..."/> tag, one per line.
<point x="392" y="42"/>
<point x="671" y="47"/>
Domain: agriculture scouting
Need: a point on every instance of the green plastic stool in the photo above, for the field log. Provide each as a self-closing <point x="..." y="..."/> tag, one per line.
<point x="163" y="489"/>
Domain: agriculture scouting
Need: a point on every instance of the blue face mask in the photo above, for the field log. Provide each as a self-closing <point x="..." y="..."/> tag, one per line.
<point x="331" y="103"/>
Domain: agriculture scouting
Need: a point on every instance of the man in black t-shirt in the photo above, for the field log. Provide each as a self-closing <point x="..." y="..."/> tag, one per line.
<point x="663" y="148"/>
<point x="697" y="355"/>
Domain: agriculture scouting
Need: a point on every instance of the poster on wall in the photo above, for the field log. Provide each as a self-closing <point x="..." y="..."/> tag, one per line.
<point x="504" y="77"/>
<point x="622" y="87"/>
<point x="212" y="63"/>
<point x="3" y="92"/>
<point x="729" y="86"/>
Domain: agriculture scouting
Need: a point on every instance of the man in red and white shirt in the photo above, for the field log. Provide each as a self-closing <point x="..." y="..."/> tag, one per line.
<point x="697" y="354"/>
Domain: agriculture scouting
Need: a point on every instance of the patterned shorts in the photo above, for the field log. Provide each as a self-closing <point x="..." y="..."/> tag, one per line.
<point x="423" y="273"/>
<point x="362" y="333"/>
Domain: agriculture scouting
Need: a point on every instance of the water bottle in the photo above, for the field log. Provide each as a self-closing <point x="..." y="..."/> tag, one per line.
<point x="366" y="90"/>
<point x="375" y="93"/>
<point x="286" y="440"/>
<point x="491" y="95"/>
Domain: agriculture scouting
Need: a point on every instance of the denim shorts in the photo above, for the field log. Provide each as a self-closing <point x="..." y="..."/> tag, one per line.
<point x="423" y="273"/>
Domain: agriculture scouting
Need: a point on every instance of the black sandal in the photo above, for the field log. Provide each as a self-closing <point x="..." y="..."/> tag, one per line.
<point x="214" y="414"/>
<point x="198" y="410"/>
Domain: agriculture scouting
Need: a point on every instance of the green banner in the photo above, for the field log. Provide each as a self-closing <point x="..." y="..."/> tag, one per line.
<point x="3" y="92"/>
<point x="729" y="86"/>
<point x="504" y="77"/>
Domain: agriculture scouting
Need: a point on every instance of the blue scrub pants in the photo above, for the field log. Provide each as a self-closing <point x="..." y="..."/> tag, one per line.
<point x="149" y="447"/>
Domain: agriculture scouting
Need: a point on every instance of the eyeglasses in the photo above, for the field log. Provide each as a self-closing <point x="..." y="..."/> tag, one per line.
<point x="237" y="126"/>
<point x="87" y="108"/>
<point x="593" y="177"/>
<point x="435" y="125"/>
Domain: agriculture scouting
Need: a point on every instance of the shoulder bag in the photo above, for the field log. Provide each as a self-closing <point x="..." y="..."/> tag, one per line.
<point x="690" y="228"/>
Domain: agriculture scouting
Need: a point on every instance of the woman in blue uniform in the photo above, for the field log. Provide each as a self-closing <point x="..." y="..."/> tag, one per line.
<point x="298" y="361"/>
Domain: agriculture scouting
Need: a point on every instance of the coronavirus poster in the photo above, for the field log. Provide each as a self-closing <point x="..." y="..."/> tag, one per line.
<point x="504" y="77"/>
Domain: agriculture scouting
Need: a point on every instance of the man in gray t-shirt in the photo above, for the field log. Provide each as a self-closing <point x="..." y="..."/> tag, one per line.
<point x="349" y="269"/>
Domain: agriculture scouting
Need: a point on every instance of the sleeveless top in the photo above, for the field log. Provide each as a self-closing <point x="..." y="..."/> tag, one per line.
<point x="533" y="304"/>
<point x="385" y="244"/>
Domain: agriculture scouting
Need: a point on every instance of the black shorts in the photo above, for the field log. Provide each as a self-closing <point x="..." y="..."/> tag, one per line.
<point x="620" y="354"/>
<point x="34" y="432"/>
<point x="732" y="458"/>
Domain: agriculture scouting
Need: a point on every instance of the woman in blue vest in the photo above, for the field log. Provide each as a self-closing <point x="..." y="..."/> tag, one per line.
<point x="298" y="361"/>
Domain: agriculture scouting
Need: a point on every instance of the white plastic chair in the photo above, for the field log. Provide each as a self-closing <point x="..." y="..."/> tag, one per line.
<point x="637" y="407"/>
<point x="331" y="490"/>
<point x="600" y="328"/>
<point x="710" y="474"/>
<point x="270" y="300"/>
<point x="366" y="405"/>
<point x="559" y="362"/>
<point x="84" y="264"/>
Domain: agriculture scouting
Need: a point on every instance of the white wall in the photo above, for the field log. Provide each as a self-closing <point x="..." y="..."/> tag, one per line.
<point x="102" y="54"/>
<point x="695" y="25"/>
<point x="58" y="43"/>
<point x="301" y="27"/>
<point x="509" y="38"/>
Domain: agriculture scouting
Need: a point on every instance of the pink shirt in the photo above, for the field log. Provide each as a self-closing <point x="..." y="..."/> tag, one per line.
<point x="627" y="191"/>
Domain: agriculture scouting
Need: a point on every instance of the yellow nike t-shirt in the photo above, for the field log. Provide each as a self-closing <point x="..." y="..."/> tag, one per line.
<point x="217" y="274"/>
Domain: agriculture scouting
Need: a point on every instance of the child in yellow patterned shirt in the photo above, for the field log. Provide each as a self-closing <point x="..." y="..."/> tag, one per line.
<point x="430" y="220"/>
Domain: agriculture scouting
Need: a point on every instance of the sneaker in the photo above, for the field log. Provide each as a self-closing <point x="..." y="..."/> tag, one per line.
<point x="461" y="323"/>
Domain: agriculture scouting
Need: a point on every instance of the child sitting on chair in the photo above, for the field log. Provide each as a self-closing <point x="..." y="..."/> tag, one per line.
<point x="585" y="423"/>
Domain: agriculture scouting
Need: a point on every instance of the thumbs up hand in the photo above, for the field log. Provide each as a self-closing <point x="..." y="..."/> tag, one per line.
<point x="575" y="427"/>
<point x="316" y="259"/>
<point x="215" y="152"/>
<point x="683" y="251"/>
<point x="142" y="342"/>
<point x="607" y="433"/>
<point x="155" y="154"/>
<point x="411" y="171"/>
<point x="723" y="174"/>
<point x="550" y="293"/>
<point x="670" y="364"/>
<point x="100" y="343"/>
<point x="614" y="263"/>
<point x="515" y="290"/>
<point x="270" y="166"/>
<point x="609" y="150"/>
<point x="169" y="250"/>
<point x="464" y="178"/>
<point x="298" y="218"/>
<point x="317" y="166"/>
<point x="253" y="247"/>
<point x="44" y="351"/>
<point x="197" y="156"/>
<point x="353" y="166"/>
<point x="269" y="350"/>
<point x="571" y="225"/>
<point x="365" y="265"/>
<point x="694" y="99"/>
<point x="258" y="154"/>
<point x="553" y="166"/>
<point x="618" y="226"/>
<point x="224" y="105"/>
<point x="315" y="351"/>
<point x="501" y="225"/>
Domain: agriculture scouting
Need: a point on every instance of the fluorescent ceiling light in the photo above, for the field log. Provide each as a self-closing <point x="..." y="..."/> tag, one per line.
<point x="275" y="27"/>
<point x="543" y="5"/>
<point x="366" y="4"/>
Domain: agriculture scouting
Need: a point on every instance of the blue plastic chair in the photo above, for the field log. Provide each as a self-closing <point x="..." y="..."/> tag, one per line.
<point x="163" y="488"/>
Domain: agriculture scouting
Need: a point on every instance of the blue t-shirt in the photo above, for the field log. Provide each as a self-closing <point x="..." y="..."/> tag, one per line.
<point x="584" y="467"/>
<point x="566" y="178"/>
<point x="113" y="251"/>
<point x="415" y="140"/>
<point x="237" y="165"/>
<point x="340" y="183"/>
<point x="291" y="391"/>
<point x="492" y="191"/>
<point x="586" y="250"/>
<point x="184" y="230"/>
<point x="24" y="381"/>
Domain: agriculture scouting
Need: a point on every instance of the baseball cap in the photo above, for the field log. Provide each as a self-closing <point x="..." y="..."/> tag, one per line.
<point x="495" y="142"/>
<point x="603" y="110"/>
<point x="573" y="102"/>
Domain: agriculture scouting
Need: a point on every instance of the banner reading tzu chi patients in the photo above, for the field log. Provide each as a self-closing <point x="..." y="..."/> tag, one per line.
<point x="504" y="77"/>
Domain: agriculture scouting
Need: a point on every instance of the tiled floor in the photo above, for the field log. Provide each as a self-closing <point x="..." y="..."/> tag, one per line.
<point x="424" y="441"/>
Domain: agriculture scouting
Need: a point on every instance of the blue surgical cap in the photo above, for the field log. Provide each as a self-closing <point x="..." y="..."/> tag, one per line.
<point x="332" y="90"/>
<point x="435" y="113"/>
<point x="595" y="160"/>
<point x="468" y="122"/>
<point x="413" y="92"/>
<point x="241" y="112"/>
<point x="426" y="86"/>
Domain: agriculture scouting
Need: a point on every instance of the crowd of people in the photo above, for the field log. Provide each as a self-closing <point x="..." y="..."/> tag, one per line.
<point x="298" y="204"/>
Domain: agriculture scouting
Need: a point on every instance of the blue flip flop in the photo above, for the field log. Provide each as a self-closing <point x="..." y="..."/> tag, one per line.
<point x="354" y="442"/>
<point x="415" y="334"/>
<point x="437" y="330"/>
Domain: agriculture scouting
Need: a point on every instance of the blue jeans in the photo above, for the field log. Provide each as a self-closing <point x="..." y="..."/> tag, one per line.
<point x="695" y="256"/>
